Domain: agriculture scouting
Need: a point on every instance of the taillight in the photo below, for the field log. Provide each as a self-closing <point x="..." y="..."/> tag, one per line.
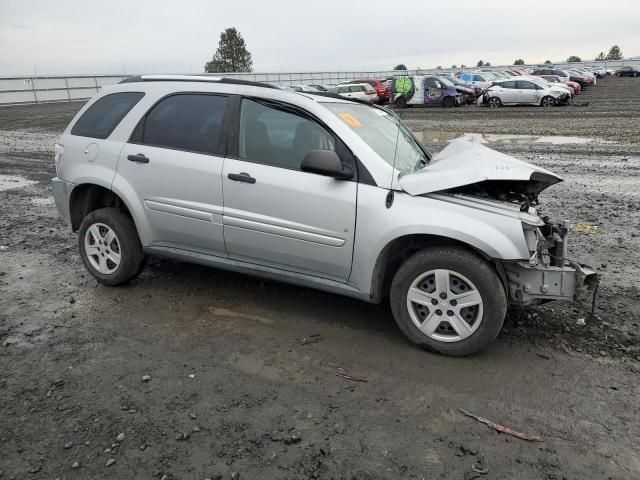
<point x="57" y="159"/>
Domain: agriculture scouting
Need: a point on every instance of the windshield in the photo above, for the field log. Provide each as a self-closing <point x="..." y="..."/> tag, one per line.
<point x="385" y="133"/>
<point x="446" y="81"/>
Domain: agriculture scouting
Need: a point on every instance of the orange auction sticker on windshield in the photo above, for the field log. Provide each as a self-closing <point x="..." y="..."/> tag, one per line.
<point x="350" y="120"/>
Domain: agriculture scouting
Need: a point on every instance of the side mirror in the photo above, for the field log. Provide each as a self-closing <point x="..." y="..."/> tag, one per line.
<point x="325" y="162"/>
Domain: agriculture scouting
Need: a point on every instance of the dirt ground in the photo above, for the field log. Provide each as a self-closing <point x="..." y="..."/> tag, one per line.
<point x="194" y="373"/>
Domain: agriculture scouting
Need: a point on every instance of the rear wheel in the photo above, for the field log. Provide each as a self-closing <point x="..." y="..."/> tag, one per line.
<point x="449" y="300"/>
<point x="401" y="102"/>
<point x="548" y="101"/>
<point x="494" y="102"/>
<point x="449" y="102"/>
<point x="109" y="246"/>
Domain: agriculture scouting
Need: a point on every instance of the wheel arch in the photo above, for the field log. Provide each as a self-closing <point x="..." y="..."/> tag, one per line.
<point x="88" y="197"/>
<point x="448" y="98"/>
<point x="399" y="249"/>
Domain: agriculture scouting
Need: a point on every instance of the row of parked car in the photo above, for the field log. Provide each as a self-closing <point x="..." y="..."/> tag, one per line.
<point x="545" y="86"/>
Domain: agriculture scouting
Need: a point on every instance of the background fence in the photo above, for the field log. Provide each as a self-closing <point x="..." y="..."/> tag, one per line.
<point x="41" y="89"/>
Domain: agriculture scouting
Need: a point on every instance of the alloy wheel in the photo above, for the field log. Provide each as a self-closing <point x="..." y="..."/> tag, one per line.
<point x="102" y="248"/>
<point x="445" y="305"/>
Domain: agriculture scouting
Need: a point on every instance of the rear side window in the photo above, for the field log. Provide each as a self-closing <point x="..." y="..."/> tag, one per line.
<point x="524" y="85"/>
<point x="190" y="122"/>
<point x="105" y="114"/>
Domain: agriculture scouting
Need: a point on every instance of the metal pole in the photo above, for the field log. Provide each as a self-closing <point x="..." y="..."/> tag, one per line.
<point x="33" y="89"/>
<point x="66" y="82"/>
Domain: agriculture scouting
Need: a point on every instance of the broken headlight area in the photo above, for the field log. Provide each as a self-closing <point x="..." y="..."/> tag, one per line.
<point x="524" y="193"/>
<point x="548" y="274"/>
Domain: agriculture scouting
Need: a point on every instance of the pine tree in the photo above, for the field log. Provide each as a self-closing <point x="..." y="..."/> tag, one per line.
<point x="614" y="53"/>
<point x="232" y="54"/>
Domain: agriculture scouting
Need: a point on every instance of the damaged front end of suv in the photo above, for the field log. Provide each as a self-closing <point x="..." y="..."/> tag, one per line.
<point x="473" y="175"/>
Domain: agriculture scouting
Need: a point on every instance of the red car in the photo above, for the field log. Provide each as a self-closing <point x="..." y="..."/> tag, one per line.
<point x="382" y="87"/>
<point x="555" y="79"/>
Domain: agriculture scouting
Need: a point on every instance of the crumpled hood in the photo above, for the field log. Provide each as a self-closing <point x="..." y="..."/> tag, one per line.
<point x="465" y="163"/>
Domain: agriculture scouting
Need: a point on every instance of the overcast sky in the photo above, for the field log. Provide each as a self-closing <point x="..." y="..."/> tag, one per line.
<point x="144" y="36"/>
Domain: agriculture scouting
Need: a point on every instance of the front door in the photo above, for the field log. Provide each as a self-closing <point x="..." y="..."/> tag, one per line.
<point x="173" y="164"/>
<point x="274" y="213"/>
<point x="432" y="91"/>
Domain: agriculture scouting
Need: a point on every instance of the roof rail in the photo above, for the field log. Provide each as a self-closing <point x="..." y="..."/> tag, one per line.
<point x="196" y="78"/>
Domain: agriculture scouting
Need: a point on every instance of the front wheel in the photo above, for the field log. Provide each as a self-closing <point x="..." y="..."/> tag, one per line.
<point x="110" y="247"/>
<point x="548" y="102"/>
<point x="449" y="300"/>
<point x="401" y="102"/>
<point x="449" y="102"/>
<point x="495" y="102"/>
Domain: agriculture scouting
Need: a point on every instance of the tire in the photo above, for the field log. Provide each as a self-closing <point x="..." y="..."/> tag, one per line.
<point x="494" y="102"/>
<point x="472" y="328"/>
<point x="401" y="102"/>
<point x="448" y="102"/>
<point x="548" y="101"/>
<point x="110" y="247"/>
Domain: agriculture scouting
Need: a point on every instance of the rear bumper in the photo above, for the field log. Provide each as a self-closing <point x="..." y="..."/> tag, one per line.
<point x="61" y="194"/>
<point x="530" y="284"/>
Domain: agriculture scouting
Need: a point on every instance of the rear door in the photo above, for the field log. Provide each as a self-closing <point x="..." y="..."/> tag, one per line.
<point x="274" y="213"/>
<point x="173" y="164"/>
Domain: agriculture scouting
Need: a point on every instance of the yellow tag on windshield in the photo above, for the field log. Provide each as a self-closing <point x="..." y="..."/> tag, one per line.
<point x="350" y="120"/>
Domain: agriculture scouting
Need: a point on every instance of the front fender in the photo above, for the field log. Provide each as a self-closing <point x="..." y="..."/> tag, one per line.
<point x="495" y="235"/>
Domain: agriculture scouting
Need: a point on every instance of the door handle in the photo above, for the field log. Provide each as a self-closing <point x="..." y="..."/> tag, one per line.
<point x="139" y="158"/>
<point x="241" y="177"/>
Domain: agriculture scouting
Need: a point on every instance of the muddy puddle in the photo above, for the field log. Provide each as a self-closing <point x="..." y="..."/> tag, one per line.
<point x="507" y="139"/>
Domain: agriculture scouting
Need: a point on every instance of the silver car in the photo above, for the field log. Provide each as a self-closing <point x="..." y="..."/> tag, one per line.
<point x="313" y="190"/>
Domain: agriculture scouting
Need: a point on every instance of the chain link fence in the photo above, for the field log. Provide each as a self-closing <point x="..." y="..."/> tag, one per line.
<point x="44" y="89"/>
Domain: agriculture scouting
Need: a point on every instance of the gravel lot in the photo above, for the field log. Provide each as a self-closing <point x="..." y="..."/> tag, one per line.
<point x="235" y="391"/>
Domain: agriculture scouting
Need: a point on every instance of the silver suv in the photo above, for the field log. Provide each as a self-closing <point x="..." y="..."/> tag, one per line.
<point x="314" y="190"/>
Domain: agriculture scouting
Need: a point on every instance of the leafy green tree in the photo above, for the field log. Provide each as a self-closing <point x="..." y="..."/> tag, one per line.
<point x="480" y="63"/>
<point x="547" y="62"/>
<point x="574" y="59"/>
<point x="600" y="57"/>
<point x="400" y="66"/>
<point x="462" y="65"/>
<point x="232" y="54"/>
<point x="454" y="66"/>
<point x="488" y="64"/>
<point x="519" y="62"/>
<point x="614" y="53"/>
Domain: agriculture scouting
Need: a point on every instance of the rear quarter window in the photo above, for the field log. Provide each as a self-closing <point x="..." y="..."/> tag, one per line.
<point x="104" y="115"/>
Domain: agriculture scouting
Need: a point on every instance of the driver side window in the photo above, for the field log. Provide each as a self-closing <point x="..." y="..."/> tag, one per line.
<point x="280" y="138"/>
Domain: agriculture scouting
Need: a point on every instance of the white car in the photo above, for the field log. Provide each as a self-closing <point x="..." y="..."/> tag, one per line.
<point x="544" y="82"/>
<point x="478" y="79"/>
<point x="302" y="88"/>
<point x="525" y="91"/>
<point x="356" y="91"/>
